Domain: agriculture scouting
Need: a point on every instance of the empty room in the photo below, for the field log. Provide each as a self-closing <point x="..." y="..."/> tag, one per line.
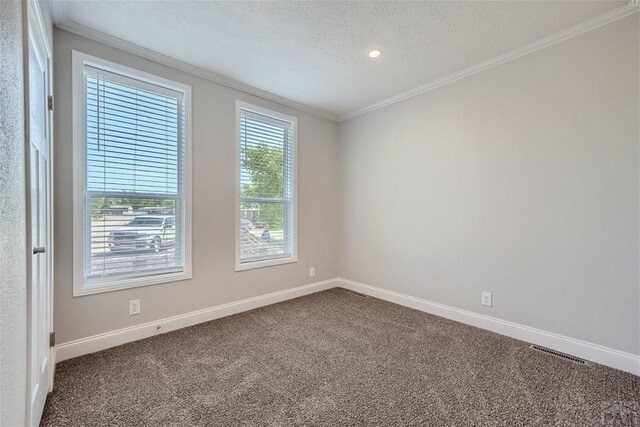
<point x="337" y="213"/>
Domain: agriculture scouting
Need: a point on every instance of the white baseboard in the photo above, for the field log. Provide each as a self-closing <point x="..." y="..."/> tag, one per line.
<point x="106" y="340"/>
<point x="596" y="353"/>
<point x="593" y="352"/>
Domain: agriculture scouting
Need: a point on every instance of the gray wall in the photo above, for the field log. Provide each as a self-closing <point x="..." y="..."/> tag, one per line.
<point x="521" y="181"/>
<point x="214" y="279"/>
<point x="13" y="269"/>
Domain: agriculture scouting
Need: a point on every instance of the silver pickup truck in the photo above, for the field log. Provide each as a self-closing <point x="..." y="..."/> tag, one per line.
<point x="154" y="232"/>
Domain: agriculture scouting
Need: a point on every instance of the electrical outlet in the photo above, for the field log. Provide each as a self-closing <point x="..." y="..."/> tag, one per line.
<point x="312" y="272"/>
<point x="134" y="307"/>
<point x="486" y="299"/>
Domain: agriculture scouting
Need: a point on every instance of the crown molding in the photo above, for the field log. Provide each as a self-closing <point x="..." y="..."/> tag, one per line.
<point x="59" y="18"/>
<point x="160" y="58"/>
<point x="591" y="24"/>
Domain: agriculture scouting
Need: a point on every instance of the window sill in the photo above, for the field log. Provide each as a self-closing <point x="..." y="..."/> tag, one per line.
<point x="242" y="266"/>
<point x="89" y="289"/>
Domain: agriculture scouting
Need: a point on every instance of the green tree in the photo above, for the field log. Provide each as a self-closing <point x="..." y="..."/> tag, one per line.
<point x="265" y="167"/>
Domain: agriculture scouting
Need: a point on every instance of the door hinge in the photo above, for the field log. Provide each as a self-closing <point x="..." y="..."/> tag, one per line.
<point x="52" y="339"/>
<point x="50" y="102"/>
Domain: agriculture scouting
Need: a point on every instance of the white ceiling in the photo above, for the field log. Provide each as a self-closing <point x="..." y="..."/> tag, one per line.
<point x="315" y="53"/>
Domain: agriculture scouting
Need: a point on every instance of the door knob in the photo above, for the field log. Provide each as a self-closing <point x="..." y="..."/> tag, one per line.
<point x="38" y="250"/>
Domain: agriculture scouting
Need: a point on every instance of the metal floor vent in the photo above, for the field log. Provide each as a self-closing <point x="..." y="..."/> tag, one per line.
<point x="558" y="354"/>
<point x="358" y="294"/>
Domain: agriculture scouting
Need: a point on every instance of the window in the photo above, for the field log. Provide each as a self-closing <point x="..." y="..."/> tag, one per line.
<point x="266" y="206"/>
<point x="131" y="177"/>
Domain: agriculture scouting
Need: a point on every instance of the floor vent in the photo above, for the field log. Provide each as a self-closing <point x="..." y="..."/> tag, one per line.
<point x="358" y="294"/>
<point x="558" y="354"/>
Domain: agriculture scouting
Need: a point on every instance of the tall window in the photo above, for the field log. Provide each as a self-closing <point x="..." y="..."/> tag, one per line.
<point x="266" y="204"/>
<point x="131" y="198"/>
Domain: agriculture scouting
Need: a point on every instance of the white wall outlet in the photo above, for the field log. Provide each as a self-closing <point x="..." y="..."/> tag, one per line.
<point x="134" y="307"/>
<point x="312" y="272"/>
<point x="486" y="299"/>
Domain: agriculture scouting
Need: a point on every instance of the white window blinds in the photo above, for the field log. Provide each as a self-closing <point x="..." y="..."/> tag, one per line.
<point x="134" y="222"/>
<point x="266" y="228"/>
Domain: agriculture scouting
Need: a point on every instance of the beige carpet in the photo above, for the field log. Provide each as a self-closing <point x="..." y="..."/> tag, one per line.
<point x="335" y="358"/>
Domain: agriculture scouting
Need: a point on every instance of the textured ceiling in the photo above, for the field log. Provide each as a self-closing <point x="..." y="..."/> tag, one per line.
<point x="315" y="53"/>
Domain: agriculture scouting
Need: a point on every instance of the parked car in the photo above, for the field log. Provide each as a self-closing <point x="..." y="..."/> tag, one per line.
<point x="245" y="224"/>
<point x="154" y="232"/>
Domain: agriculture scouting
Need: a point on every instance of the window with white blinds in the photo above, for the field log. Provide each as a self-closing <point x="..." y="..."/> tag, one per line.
<point x="134" y="178"/>
<point x="266" y="203"/>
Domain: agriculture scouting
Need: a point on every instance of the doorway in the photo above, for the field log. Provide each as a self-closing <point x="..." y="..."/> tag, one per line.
<point x="38" y="108"/>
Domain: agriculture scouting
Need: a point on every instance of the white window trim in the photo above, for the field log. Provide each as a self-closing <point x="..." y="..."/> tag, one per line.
<point x="80" y="288"/>
<point x="249" y="265"/>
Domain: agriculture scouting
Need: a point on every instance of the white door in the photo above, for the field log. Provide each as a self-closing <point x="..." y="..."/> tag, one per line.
<point x="39" y="293"/>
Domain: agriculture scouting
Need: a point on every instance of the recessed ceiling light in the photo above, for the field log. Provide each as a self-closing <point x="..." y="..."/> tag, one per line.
<point x="375" y="53"/>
